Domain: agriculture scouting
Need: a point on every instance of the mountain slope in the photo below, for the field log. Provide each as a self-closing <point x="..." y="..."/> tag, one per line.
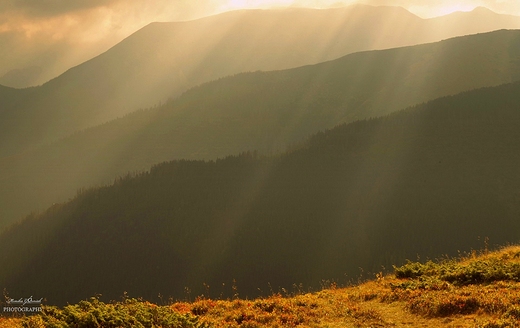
<point x="20" y="78"/>
<point x="427" y="181"/>
<point x="164" y="59"/>
<point x="263" y="111"/>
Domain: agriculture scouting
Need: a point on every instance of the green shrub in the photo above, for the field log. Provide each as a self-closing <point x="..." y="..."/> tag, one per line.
<point x="476" y="272"/>
<point x="94" y="313"/>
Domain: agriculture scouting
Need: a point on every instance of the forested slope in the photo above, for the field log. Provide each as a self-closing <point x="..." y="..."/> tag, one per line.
<point x="425" y="181"/>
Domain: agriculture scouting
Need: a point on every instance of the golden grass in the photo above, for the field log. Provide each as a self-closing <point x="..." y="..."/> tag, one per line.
<point x="9" y="322"/>
<point x="422" y="301"/>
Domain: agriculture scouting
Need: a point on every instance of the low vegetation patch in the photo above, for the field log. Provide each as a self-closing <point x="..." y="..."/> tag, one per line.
<point x="487" y="284"/>
<point x="94" y="313"/>
<point x="480" y="290"/>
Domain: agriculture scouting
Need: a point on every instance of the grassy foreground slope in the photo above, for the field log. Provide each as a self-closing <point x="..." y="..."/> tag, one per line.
<point x="264" y="111"/>
<point x="428" y="180"/>
<point x="477" y="290"/>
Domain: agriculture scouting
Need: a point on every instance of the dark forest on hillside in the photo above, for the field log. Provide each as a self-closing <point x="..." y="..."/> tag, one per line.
<point x="428" y="180"/>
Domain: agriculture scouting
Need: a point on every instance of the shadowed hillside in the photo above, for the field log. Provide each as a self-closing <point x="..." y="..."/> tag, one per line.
<point x="428" y="180"/>
<point x="263" y="111"/>
<point x="164" y="59"/>
<point x="477" y="290"/>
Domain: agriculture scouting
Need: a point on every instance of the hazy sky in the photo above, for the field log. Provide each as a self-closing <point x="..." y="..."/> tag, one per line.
<point x="96" y="20"/>
<point x="90" y="27"/>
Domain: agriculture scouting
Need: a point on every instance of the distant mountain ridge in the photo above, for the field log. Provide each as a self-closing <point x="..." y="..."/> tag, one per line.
<point x="20" y="78"/>
<point x="164" y="59"/>
<point x="57" y="56"/>
<point x="427" y="180"/>
<point x="263" y="111"/>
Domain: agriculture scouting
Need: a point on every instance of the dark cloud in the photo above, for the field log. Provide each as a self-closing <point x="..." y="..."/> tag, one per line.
<point x="49" y="8"/>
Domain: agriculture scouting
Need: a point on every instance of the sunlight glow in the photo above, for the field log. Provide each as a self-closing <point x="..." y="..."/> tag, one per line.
<point x="445" y="10"/>
<point x="246" y="4"/>
<point x="422" y="9"/>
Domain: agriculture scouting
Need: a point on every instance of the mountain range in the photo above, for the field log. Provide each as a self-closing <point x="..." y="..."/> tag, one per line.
<point x="256" y="150"/>
<point x="262" y="111"/>
<point x="31" y="61"/>
<point x="428" y="180"/>
<point x="164" y="59"/>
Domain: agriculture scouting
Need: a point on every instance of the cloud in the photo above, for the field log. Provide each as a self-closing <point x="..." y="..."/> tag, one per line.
<point x="39" y="9"/>
<point x="50" y="8"/>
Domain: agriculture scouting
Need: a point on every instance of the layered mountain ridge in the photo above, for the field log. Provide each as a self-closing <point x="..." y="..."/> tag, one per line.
<point x="164" y="59"/>
<point x="263" y="111"/>
<point x="428" y="180"/>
